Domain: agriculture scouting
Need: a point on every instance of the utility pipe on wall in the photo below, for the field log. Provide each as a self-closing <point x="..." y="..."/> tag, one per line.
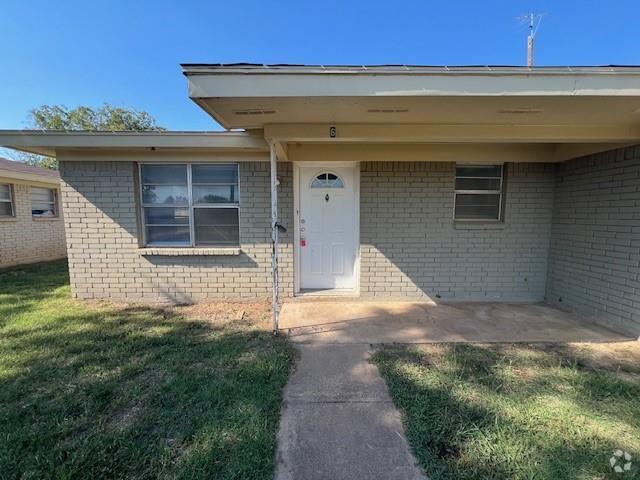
<point x="275" y="304"/>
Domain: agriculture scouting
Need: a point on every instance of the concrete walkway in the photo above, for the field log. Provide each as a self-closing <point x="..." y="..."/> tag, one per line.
<point x="338" y="421"/>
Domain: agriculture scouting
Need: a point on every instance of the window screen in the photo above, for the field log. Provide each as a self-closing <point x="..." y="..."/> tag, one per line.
<point x="43" y="202"/>
<point x="190" y="205"/>
<point x="478" y="192"/>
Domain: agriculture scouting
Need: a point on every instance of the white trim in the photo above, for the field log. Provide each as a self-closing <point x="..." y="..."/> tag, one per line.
<point x="48" y="142"/>
<point x="296" y="226"/>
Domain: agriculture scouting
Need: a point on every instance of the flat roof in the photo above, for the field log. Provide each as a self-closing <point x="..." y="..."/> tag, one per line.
<point x="204" y="68"/>
<point x="22" y="171"/>
<point x="46" y="142"/>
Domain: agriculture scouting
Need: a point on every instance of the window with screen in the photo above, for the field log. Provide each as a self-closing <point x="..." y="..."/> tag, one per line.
<point x="43" y="202"/>
<point x="478" y="192"/>
<point x="6" y="200"/>
<point x="190" y="205"/>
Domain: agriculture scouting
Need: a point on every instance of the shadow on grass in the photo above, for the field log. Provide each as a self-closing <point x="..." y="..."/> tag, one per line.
<point x="95" y="392"/>
<point x="511" y="412"/>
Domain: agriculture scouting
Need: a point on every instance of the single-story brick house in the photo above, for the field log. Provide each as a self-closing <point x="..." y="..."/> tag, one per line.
<point x="447" y="183"/>
<point x="31" y="223"/>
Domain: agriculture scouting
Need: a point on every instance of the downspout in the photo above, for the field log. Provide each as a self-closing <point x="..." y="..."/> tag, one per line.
<point x="275" y="304"/>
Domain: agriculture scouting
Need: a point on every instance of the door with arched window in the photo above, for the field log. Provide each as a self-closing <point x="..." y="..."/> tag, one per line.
<point x="327" y="228"/>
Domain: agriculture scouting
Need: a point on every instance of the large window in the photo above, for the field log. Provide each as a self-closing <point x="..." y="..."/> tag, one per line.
<point x="6" y="200"/>
<point x="478" y="192"/>
<point x="190" y="205"/>
<point x="43" y="202"/>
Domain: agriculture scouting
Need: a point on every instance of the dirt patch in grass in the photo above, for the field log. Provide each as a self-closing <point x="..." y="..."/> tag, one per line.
<point x="257" y="313"/>
<point x="517" y="411"/>
<point x="114" y="390"/>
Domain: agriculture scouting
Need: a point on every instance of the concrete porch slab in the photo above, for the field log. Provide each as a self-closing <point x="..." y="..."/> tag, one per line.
<point x="352" y="321"/>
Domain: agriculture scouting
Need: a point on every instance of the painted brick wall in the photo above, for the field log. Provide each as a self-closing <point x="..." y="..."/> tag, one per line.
<point x="24" y="239"/>
<point x="104" y="256"/>
<point x="594" y="266"/>
<point x="410" y="245"/>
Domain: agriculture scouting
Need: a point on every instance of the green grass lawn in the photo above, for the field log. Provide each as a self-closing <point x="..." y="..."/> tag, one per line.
<point x="517" y="411"/>
<point x="93" y="391"/>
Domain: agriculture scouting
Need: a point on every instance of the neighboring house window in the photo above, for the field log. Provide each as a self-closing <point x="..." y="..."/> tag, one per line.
<point x="6" y="201"/>
<point x="190" y="205"/>
<point x="478" y="192"/>
<point x="43" y="202"/>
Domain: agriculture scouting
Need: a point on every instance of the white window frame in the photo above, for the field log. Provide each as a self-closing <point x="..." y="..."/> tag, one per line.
<point x="191" y="206"/>
<point x="53" y="203"/>
<point x="10" y="201"/>
<point x="499" y="192"/>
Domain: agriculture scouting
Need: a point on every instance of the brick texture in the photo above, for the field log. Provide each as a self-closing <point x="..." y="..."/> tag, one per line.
<point x="106" y="261"/>
<point x="410" y="245"/>
<point x="24" y="239"/>
<point x="594" y="266"/>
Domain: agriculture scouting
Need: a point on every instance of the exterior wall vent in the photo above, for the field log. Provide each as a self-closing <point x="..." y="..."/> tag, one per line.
<point x="255" y="111"/>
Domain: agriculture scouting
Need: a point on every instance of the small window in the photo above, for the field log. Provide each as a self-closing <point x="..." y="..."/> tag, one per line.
<point x="478" y="192"/>
<point x="327" y="180"/>
<point x="6" y="200"/>
<point x="190" y="205"/>
<point x="43" y="202"/>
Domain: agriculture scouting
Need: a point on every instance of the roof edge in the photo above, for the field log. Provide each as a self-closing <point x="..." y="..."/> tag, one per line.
<point x="47" y="142"/>
<point x="254" y="68"/>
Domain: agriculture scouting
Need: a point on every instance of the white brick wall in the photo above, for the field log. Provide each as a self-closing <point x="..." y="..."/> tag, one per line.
<point x="410" y="245"/>
<point x="594" y="266"/>
<point x="105" y="259"/>
<point x="24" y="239"/>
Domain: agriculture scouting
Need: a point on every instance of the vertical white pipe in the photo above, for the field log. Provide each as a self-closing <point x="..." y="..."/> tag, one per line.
<point x="275" y="307"/>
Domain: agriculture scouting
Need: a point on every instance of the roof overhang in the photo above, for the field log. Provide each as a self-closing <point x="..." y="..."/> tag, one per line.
<point x="11" y="175"/>
<point x="50" y="142"/>
<point x="253" y="96"/>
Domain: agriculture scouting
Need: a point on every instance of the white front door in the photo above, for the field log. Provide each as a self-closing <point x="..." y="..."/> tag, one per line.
<point x="327" y="228"/>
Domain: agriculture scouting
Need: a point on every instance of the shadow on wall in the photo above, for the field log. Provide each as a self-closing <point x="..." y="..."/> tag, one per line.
<point x="175" y="282"/>
<point x="411" y="246"/>
<point x="105" y="193"/>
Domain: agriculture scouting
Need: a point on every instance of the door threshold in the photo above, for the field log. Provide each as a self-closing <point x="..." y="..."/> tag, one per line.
<point x="327" y="292"/>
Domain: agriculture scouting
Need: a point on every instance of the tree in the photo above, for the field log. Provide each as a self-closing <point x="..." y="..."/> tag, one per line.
<point x="105" y="118"/>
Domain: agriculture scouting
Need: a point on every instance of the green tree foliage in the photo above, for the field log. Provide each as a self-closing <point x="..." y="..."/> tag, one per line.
<point x="105" y="118"/>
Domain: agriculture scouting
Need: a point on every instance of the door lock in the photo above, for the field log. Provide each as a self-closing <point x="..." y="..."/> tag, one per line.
<point x="326" y="197"/>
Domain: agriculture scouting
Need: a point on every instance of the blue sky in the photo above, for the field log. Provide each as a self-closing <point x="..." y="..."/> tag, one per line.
<point x="127" y="53"/>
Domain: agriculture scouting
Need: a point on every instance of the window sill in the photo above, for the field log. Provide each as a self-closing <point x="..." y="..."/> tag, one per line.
<point x="8" y="219"/>
<point x="186" y="251"/>
<point x="478" y="225"/>
<point x="45" y="219"/>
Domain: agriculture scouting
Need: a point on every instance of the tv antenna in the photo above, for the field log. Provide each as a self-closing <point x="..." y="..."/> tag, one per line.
<point x="534" y="20"/>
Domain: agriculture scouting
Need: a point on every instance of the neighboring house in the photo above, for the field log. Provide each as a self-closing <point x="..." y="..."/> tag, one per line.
<point x="31" y="225"/>
<point x="451" y="183"/>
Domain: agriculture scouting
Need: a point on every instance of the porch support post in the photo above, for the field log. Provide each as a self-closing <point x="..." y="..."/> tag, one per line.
<point x="275" y="303"/>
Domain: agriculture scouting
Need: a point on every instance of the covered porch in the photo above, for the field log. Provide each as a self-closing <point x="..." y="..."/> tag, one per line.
<point x="349" y="321"/>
